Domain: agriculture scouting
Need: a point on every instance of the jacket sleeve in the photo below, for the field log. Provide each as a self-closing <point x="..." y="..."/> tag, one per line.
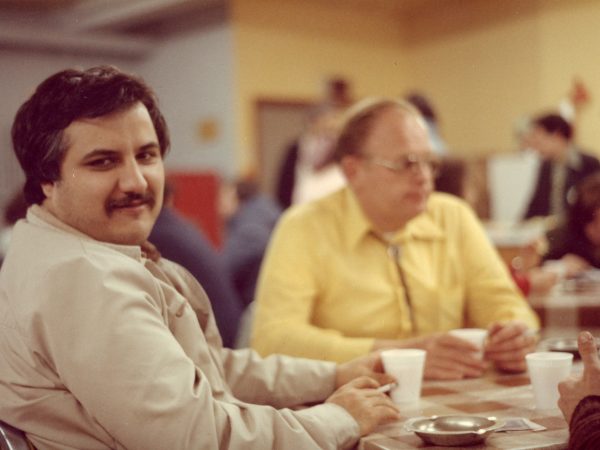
<point x="538" y="201"/>
<point x="278" y="380"/>
<point x="106" y="337"/>
<point x="585" y="424"/>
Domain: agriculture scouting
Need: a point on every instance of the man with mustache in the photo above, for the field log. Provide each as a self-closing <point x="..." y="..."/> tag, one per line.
<point x="384" y="263"/>
<point x="103" y="344"/>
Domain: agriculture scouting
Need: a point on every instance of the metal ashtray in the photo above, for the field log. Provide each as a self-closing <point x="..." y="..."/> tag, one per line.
<point x="449" y="431"/>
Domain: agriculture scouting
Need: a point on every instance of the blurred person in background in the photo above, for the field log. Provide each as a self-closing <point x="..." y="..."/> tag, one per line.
<point x="180" y="240"/>
<point x="576" y="241"/>
<point x="386" y="263"/>
<point x="423" y="104"/>
<point x="307" y="160"/>
<point x="563" y="165"/>
<point x="453" y="178"/>
<point x="317" y="173"/>
<point x="249" y="217"/>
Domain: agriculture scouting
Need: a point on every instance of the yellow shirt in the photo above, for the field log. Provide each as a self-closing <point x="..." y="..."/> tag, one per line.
<point x="329" y="286"/>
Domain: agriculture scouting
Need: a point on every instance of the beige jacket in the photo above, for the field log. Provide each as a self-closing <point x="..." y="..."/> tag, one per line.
<point x="101" y="348"/>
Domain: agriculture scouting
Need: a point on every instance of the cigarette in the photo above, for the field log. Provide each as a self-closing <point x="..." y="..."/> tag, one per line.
<point x="386" y="387"/>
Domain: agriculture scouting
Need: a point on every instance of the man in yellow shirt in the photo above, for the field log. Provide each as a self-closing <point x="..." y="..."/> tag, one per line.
<point x="386" y="263"/>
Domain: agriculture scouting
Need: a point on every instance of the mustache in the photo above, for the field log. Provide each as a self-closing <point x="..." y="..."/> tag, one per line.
<point x="131" y="199"/>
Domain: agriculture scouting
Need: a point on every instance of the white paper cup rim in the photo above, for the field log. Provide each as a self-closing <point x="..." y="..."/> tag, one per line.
<point x="410" y="352"/>
<point x="469" y="331"/>
<point x="548" y="358"/>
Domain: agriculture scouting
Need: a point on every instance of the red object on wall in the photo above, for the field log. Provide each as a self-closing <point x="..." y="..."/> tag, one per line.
<point x="195" y="195"/>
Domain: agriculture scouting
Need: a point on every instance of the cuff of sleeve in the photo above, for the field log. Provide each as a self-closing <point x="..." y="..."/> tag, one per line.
<point x="585" y="422"/>
<point x="338" y="421"/>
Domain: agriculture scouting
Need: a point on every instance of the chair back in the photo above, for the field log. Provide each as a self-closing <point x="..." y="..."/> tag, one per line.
<point x="12" y="438"/>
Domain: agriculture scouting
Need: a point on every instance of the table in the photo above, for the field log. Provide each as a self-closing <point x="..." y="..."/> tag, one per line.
<point x="573" y="305"/>
<point x="570" y="304"/>
<point x="495" y="394"/>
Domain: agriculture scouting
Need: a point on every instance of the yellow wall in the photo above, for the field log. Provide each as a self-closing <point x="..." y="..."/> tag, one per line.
<point x="491" y="63"/>
<point x="287" y="48"/>
<point x="481" y="67"/>
<point x="570" y="40"/>
<point x="485" y="63"/>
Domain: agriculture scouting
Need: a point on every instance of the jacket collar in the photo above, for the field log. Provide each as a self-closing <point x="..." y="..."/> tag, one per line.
<point x="39" y="216"/>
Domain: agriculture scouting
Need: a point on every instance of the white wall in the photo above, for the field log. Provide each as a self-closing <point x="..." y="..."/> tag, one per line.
<point x="191" y="74"/>
<point x="193" y="78"/>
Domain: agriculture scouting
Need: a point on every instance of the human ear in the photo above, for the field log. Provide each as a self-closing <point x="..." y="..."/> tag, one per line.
<point x="48" y="189"/>
<point x="349" y="165"/>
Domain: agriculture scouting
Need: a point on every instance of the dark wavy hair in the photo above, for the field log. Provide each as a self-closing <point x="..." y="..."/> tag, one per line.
<point x="69" y="95"/>
<point x="554" y="123"/>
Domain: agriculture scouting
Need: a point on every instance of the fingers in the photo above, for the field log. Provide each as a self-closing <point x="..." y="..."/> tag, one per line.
<point x="511" y="356"/>
<point x="567" y="385"/>
<point x="516" y="366"/>
<point x="376" y="361"/>
<point x="511" y="338"/>
<point x="364" y="382"/>
<point x="368" y="365"/>
<point x="371" y="361"/>
<point x="369" y="407"/>
<point x="438" y="373"/>
<point x="494" y="328"/>
<point x="588" y="351"/>
<point x="451" y="358"/>
<point x="382" y="378"/>
<point x="568" y="398"/>
<point x="514" y="350"/>
<point x="456" y="343"/>
<point x="503" y="332"/>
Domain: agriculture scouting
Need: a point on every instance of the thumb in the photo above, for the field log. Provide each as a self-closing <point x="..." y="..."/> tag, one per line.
<point x="364" y="382"/>
<point x="382" y="378"/>
<point x="588" y="350"/>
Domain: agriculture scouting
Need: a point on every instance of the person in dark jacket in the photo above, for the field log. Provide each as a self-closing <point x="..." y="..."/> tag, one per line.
<point x="179" y="240"/>
<point x="576" y="241"/>
<point x="563" y="166"/>
<point x="248" y="229"/>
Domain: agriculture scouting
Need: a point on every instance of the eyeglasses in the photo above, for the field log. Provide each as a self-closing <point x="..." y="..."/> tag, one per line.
<point x="408" y="163"/>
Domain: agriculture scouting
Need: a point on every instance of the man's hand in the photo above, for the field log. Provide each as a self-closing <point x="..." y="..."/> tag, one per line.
<point x="448" y="357"/>
<point x="369" y="407"/>
<point x="575" y="388"/>
<point x="508" y="344"/>
<point x="574" y="265"/>
<point x="369" y="365"/>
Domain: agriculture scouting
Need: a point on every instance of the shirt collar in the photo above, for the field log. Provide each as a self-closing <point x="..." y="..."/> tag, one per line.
<point x="421" y="227"/>
<point x="358" y="226"/>
<point x="39" y="216"/>
<point x="573" y="160"/>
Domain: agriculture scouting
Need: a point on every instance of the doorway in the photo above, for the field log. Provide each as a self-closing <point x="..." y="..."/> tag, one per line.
<point x="279" y="123"/>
